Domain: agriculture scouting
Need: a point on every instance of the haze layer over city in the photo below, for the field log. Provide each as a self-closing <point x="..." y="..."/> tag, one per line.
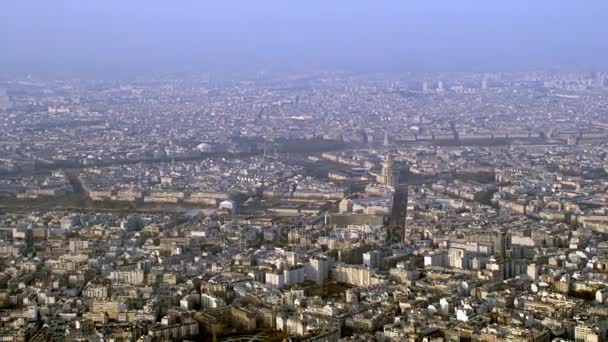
<point x="304" y="171"/>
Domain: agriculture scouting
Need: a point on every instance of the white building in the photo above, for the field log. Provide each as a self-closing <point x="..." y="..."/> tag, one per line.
<point x="601" y="295"/>
<point x="275" y="280"/>
<point x="457" y="258"/>
<point x="295" y="326"/>
<point x="583" y="333"/>
<point x="447" y="305"/>
<point x="209" y="301"/>
<point x="317" y="269"/>
<point x="465" y="314"/>
<point x="228" y="205"/>
<point x="358" y="275"/>
<point x="294" y="275"/>
<point x="134" y="277"/>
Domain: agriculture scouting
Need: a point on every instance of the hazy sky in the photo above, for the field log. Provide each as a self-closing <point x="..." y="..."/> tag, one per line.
<point x="373" y="34"/>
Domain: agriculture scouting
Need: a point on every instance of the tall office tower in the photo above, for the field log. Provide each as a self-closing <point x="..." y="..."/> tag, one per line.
<point x="399" y="214"/>
<point x="484" y="83"/>
<point x="425" y="87"/>
<point x="385" y="142"/>
<point x="318" y="269"/>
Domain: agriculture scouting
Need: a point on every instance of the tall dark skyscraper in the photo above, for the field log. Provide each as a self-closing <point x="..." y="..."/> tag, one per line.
<point x="399" y="211"/>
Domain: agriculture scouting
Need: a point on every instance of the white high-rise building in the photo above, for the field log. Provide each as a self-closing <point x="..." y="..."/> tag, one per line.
<point x="294" y="275"/>
<point x="317" y="269"/>
<point x="275" y="280"/>
<point x="456" y="258"/>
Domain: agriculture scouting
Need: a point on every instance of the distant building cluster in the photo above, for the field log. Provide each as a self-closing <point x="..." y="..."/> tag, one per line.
<point x="331" y="207"/>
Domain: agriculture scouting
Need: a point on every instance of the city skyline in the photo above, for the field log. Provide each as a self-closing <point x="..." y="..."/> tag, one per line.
<point x="303" y="171"/>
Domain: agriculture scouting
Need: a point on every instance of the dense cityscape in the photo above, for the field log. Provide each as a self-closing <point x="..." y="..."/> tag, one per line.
<point x="320" y="206"/>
